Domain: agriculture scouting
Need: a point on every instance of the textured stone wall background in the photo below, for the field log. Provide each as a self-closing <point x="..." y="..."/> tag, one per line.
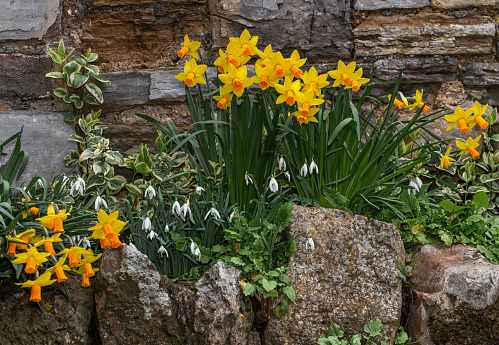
<point x="435" y="41"/>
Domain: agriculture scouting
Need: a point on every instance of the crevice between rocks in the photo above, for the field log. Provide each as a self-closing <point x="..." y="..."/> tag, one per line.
<point x="93" y="327"/>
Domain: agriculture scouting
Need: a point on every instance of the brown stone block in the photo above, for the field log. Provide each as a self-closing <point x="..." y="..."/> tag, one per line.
<point x="143" y="35"/>
<point x="424" y="34"/>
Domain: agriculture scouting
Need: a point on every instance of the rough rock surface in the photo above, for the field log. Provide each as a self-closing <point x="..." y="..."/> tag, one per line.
<point x="320" y="28"/>
<point x="424" y="34"/>
<point x="462" y="3"/>
<point x="22" y="322"/>
<point x="45" y="137"/>
<point x="456" y="297"/>
<point x="135" y="304"/>
<point x="364" y="5"/>
<point x="481" y="80"/>
<point x="353" y="268"/>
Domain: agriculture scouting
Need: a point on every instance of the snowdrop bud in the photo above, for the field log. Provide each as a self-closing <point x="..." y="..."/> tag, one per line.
<point x="288" y="176"/>
<point x="414" y="188"/>
<point x="152" y="234"/>
<point x="274" y="187"/>
<point x="162" y="251"/>
<point x="304" y="170"/>
<point x="146" y="224"/>
<point x="282" y="164"/>
<point x="39" y="183"/>
<point x="248" y="178"/>
<point x="199" y="190"/>
<point x="176" y="208"/>
<point x="99" y="202"/>
<point x="314" y="166"/>
<point x="310" y="244"/>
<point x="150" y="193"/>
<point x="419" y="182"/>
<point x="232" y="216"/>
<point x="167" y="228"/>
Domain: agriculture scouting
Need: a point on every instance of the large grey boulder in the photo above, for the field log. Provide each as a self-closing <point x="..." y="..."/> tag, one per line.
<point x="350" y="278"/>
<point x="456" y="293"/>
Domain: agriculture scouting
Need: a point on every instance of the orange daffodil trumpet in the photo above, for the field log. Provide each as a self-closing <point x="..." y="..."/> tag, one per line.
<point x="418" y="102"/>
<point x="53" y="220"/>
<point x="460" y="118"/>
<point x="469" y="146"/>
<point x="36" y="286"/>
<point x="108" y="229"/>
<point x="446" y="160"/>
<point x="189" y="48"/>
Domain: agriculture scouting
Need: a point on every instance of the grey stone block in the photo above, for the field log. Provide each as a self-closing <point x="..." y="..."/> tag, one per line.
<point x="462" y="3"/>
<point x="370" y="5"/>
<point x="44" y="137"/>
<point x="24" y="19"/>
<point x="130" y="87"/>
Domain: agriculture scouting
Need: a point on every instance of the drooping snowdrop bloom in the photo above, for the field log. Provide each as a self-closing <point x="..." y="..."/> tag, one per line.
<point x="248" y="178"/>
<point x="213" y="212"/>
<point x="185" y="208"/>
<point x="414" y="188"/>
<point x="199" y="190"/>
<point x="99" y="202"/>
<point x="150" y="193"/>
<point x="162" y="251"/>
<point x="195" y="250"/>
<point x="313" y="167"/>
<point x="176" y="208"/>
<point x="282" y="164"/>
<point x="167" y="228"/>
<point x="39" y="183"/>
<point x="232" y="216"/>
<point x="78" y="186"/>
<point x="273" y="186"/>
<point x="310" y="244"/>
<point x="146" y="224"/>
<point x="419" y="183"/>
<point x="152" y="234"/>
<point x="304" y="170"/>
<point x="288" y="176"/>
<point x="80" y="241"/>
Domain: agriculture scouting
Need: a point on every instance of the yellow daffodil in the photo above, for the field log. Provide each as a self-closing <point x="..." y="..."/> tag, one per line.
<point x="108" y="229"/>
<point x="343" y="75"/>
<point x="296" y="63"/>
<point x="307" y="106"/>
<point x="48" y="242"/>
<point x="261" y="78"/>
<point x="32" y="258"/>
<point x="59" y="269"/>
<point x="357" y="80"/>
<point x="74" y="254"/>
<point x="189" y="48"/>
<point x="85" y="281"/>
<point x="236" y="80"/>
<point x="53" y="220"/>
<point x="224" y="100"/>
<point x="469" y="146"/>
<point x="245" y="44"/>
<point x="460" y="118"/>
<point x="278" y="67"/>
<point x="288" y="91"/>
<point x="396" y="102"/>
<point x="25" y="236"/>
<point x="193" y="73"/>
<point x="36" y="286"/>
<point x="86" y="263"/>
<point x="418" y="102"/>
<point x="266" y="56"/>
<point x="312" y="80"/>
<point x="445" y="160"/>
<point x="478" y="112"/>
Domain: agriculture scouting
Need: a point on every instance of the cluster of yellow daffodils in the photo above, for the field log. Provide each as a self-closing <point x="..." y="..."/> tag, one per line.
<point x="34" y="251"/>
<point x="465" y="120"/>
<point x="297" y="87"/>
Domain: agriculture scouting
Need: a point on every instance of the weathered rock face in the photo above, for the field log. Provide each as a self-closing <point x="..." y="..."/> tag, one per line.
<point x="382" y="4"/>
<point x="22" y="322"/>
<point x="456" y="292"/>
<point x="424" y="34"/>
<point x="482" y="81"/>
<point x="353" y="268"/>
<point x="462" y="3"/>
<point x="135" y="304"/>
<point x="45" y="137"/>
<point x="322" y="28"/>
<point x="129" y="34"/>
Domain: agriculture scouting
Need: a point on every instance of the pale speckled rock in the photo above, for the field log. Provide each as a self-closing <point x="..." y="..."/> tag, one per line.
<point x="456" y="297"/>
<point x="462" y="3"/>
<point x="350" y="278"/>
<point x="369" y="5"/>
<point x="424" y="34"/>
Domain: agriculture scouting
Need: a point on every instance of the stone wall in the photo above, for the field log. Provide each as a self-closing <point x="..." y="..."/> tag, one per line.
<point x="435" y="41"/>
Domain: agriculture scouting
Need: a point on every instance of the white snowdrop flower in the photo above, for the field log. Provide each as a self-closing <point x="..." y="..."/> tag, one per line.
<point x="274" y="187"/>
<point x="152" y="234"/>
<point x="414" y="188"/>
<point x="232" y="216"/>
<point x="167" y="228"/>
<point x="99" y="202"/>
<point x="287" y="174"/>
<point x="199" y="190"/>
<point x="146" y="224"/>
<point x="150" y="193"/>
<point x="310" y="244"/>
<point x="304" y="170"/>
<point x="313" y="167"/>
<point x="248" y="178"/>
<point x="377" y="189"/>
<point x="162" y="251"/>
<point x="282" y="164"/>
<point x="78" y="186"/>
<point x="80" y="241"/>
<point x="419" y="182"/>
<point x="185" y="208"/>
<point x="176" y="208"/>
<point x="195" y="250"/>
<point x="213" y="212"/>
<point x="39" y="183"/>
<point x="27" y="193"/>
